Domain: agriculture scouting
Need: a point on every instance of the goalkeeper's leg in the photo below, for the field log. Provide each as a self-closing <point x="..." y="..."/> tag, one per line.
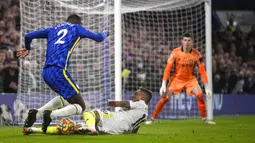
<point x="201" y="104"/>
<point x="34" y="114"/>
<point x="160" y="106"/>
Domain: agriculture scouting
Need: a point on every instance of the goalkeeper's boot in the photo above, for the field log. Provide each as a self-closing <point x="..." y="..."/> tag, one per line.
<point x="27" y="131"/>
<point x="87" y="130"/>
<point x="46" y="120"/>
<point x="205" y="121"/>
<point x="150" y="121"/>
<point x="31" y="118"/>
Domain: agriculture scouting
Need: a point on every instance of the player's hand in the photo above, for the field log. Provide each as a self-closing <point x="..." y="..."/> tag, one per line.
<point x="162" y="90"/>
<point x="208" y="92"/>
<point x="107" y="33"/>
<point x="22" y="53"/>
<point x="111" y="103"/>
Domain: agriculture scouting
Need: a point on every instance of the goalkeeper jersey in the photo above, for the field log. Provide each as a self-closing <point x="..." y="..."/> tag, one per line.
<point x="185" y="65"/>
<point x="61" y="40"/>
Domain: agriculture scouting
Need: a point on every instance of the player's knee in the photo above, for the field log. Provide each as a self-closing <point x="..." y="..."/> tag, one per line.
<point x="166" y="98"/>
<point x="78" y="108"/>
<point x="83" y="107"/>
<point x="77" y="99"/>
<point x="200" y="96"/>
<point x="197" y="90"/>
<point x="169" y="93"/>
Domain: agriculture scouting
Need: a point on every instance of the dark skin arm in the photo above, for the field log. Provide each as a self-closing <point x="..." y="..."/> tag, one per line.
<point x="124" y="104"/>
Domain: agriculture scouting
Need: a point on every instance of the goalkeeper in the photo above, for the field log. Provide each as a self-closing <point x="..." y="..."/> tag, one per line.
<point x="127" y="120"/>
<point x="184" y="59"/>
<point x="61" y="41"/>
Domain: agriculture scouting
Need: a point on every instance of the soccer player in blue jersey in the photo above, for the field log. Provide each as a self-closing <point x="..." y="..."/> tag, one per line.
<point x="61" y="40"/>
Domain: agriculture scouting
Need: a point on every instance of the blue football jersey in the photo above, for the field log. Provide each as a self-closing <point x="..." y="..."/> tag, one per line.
<point x="61" y="40"/>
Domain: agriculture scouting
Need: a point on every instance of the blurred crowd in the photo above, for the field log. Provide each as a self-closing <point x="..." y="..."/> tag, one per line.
<point x="145" y="54"/>
<point x="9" y="43"/>
<point x="233" y="58"/>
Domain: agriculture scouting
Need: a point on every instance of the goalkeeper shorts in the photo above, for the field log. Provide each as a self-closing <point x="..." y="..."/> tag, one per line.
<point x="176" y="86"/>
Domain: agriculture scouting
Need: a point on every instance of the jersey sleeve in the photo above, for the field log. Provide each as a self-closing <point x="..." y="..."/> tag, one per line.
<point x="84" y="33"/>
<point x="139" y="104"/>
<point x="169" y="66"/>
<point x="201" y="67"/>
<point x="35" y="34"/>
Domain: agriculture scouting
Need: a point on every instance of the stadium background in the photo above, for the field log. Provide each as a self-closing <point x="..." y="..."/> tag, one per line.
<point x="233" y="57"/>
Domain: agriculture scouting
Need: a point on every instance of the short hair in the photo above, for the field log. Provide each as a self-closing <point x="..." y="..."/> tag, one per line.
<point x="74" y="19"/>
<point x="187" y="35"/>
<point x="147" y="93"/>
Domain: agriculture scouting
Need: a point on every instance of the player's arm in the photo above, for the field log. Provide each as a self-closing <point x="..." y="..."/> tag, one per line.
<point x="137" y="104"/>
<point x="23" y="52"/>
<point x="84" y="33"/>
<point x="168" y="67"/>
<point x="166" y="75"/>
<point x="123" y="104"/>
<point x="35" y="34"/>
<point x="201" y="68"/>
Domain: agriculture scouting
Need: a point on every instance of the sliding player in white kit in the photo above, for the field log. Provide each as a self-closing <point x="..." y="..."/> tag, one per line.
<point x="127" y="120"/>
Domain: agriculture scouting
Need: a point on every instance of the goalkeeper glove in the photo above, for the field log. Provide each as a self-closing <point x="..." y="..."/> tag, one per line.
<point x="162" y="90"/>
<point x="208" y="92"/>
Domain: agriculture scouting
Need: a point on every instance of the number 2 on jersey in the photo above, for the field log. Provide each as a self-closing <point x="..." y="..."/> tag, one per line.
<point x="63" y="32"/>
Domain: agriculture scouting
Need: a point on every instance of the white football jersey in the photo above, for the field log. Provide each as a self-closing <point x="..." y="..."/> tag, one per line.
<point x="124" y="121"/>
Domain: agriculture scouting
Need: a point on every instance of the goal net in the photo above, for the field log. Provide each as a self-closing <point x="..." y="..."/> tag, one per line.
<point x="149" y="36"/>
<point x="150" y="30"/>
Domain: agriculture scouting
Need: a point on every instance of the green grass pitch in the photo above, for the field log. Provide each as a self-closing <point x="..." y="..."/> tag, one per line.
<point x="231" y="129"/>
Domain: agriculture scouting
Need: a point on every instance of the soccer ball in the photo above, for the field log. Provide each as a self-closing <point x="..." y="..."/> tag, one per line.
<point x="66" y="126"/>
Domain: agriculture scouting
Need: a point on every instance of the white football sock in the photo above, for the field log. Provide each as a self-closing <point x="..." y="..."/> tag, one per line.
<point x="71" y="109"/>
<point x="53" y="104"/>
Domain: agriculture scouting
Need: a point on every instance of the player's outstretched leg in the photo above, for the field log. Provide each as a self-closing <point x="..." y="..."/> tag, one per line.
<point x="35" y="130"/>
<point x="27" y="130"/>
<point x="159" y="108"/>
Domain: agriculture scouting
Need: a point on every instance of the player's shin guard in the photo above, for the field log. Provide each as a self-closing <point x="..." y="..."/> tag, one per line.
<point x="90" y="119"/>
<point x="201" y="104"/>
<point x="71" y="109"/>
<point x="160" y="106"/>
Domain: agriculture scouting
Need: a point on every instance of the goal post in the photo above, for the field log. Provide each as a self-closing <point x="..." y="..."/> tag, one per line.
<point x="142" y="35"/>
<point x="208" y="30"/>
<point x="118" y="50"/>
